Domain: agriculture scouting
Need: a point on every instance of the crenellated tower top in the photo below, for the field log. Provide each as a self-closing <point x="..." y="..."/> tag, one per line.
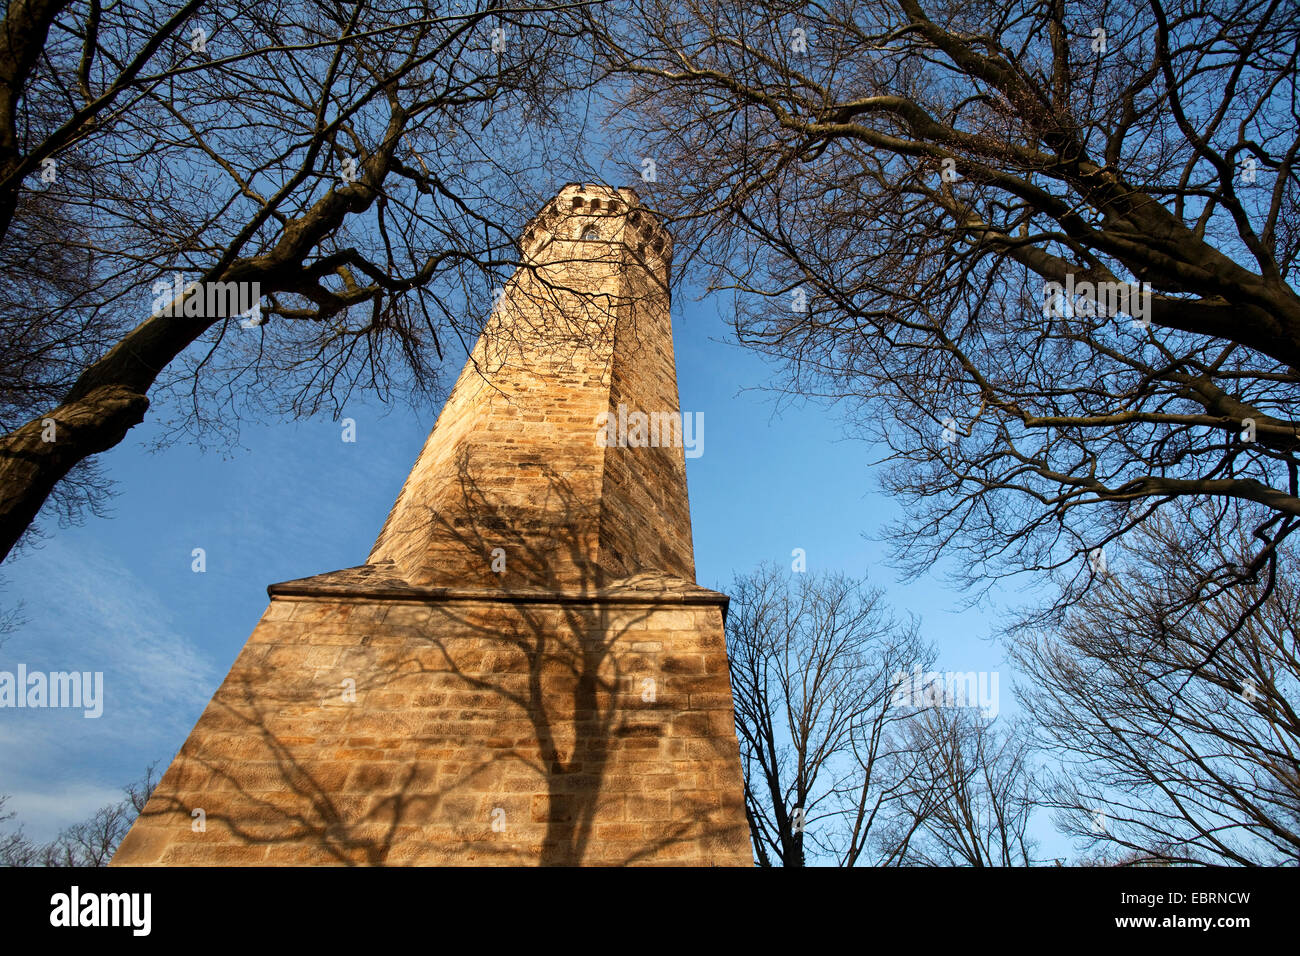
<point x="583" y="213"/>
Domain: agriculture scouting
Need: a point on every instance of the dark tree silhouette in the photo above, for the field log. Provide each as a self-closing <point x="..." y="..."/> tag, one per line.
<point x="91" y="842"/>
<point x="891" y="189"/>
<point x="1172" y="724"/>
<point x="814" y="663"/>
<point x="366" y="166"/>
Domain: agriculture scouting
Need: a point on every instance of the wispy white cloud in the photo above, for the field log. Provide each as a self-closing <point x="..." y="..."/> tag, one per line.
<point x="43" y="813"/>
<point x="86" y="612"/>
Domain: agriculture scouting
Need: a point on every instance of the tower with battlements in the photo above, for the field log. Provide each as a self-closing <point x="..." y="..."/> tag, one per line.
<point x="524" y="671"/>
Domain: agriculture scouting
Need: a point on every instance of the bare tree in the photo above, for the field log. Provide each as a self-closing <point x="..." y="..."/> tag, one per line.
<point x="364" y="168"/>
<point x="91" y="842"/>
<point x="1172" y="710"/>
<point x="11" y="619"/>
<point x="973" y="790"/>
<point x="15" y="848"/>
<point x="814" y="665"/>
<point x="891" y="188"/>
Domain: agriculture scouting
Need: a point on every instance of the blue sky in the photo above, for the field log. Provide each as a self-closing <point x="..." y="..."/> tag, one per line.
<point x="118" y="594"/>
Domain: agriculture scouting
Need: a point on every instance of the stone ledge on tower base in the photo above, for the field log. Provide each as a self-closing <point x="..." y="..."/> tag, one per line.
<point x="384" y="580"/>
<point x="462" y="728"/>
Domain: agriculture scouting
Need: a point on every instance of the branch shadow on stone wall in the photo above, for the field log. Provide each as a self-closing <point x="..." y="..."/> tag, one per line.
<point x="489" y="724"/>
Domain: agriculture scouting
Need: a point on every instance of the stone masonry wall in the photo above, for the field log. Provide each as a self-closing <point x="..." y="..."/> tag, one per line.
<point x="482" y="732"/>
<point x="514" y="462"/>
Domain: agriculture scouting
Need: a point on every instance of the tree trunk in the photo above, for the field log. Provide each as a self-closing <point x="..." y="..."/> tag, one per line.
<point x="37" y="456"/>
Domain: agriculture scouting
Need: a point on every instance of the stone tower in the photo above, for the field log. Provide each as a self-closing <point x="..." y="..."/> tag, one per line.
<point x="524" y="671"/>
